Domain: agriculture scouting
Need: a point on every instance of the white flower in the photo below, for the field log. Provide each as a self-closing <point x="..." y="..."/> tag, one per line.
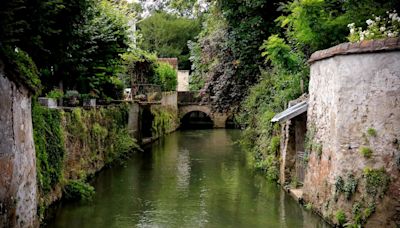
<point x="377" y="18"/>
<point x="350" y="25"/>
<point x="382" y="29"/>
<point x="390" y="34"/>
<point x="16" y="50"/>
<point x="369" y="21"/>
<point x="352" y="31"/>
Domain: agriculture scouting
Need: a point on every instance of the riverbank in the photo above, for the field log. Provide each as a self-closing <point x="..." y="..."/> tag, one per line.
<point x="74" y="144"/>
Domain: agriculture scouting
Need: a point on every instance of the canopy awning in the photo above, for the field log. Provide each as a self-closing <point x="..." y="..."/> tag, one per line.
<point x="291" y="112"/>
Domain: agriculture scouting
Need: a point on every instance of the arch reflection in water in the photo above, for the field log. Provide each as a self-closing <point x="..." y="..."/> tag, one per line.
<point x="196" y="120"/>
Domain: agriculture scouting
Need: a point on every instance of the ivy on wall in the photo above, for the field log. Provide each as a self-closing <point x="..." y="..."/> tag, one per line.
<point x="90" y="139"/>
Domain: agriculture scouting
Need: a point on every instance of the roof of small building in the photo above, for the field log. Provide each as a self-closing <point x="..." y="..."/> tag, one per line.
<point x="291" y="112"/>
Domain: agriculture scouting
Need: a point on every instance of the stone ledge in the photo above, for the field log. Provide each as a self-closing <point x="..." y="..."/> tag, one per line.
<point x="366" y="46"/>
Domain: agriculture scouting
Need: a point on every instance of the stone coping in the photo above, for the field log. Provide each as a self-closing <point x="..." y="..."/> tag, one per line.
<point x="366" y="46"/>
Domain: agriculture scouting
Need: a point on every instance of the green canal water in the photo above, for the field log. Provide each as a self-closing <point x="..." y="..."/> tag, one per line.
<point x="188" y="179"/>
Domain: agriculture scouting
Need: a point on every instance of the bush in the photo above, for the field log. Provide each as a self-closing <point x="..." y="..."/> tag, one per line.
<point x="341" y="217"/>
<point x="366" y="151"/>
<point x="166" y="76"/>
<point x="55" y="94"/>
<point x="78" y="190"/>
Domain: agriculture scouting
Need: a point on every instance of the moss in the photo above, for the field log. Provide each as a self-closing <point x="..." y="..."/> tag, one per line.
<point x="346" y="186"/>
<point x="350" y="186"/>
<point x="340" y="217"/>
<point x="371" y="132"/>
<point x="20" y="68"/>
<point x="100" y="134"/>
<point x="164" y="120"/>
<point x="366" y="151"/>
<point x="49" y="146"/>
<point x="377" y="181"/>
<point x="318" y="149"/>
<point x="78" y="190"/>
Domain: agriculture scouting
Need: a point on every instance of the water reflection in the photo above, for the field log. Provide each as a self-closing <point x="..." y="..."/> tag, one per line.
<point x="189" y="179"/>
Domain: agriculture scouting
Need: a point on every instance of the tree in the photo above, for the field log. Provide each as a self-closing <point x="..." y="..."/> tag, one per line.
<point x="167" y="35"/>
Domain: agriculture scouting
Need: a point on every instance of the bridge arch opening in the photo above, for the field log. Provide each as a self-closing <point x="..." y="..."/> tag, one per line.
<point x="231" y="123"/>
<point x="196" y="120"/>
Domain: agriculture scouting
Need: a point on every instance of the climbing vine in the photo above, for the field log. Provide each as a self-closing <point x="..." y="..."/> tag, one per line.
<point x="165" y="119"/>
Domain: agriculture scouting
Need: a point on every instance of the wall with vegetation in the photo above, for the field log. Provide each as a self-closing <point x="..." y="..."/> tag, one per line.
<point x="18" y="193"/>
<point x="74" y="144"/>
<point x="165" y="120"/>
<point x="354" y="115"/>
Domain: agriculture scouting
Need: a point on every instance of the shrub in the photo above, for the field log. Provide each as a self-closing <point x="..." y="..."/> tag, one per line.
<point x="371" y="132"/>
<point x="341" y="217"/>
<point x="366" y="151"/>
<point x="78" y="190"/>
<point x="377" y="181"/>
<point x="378" y="27"/>
<point x="55" y="94"/>
<point x="166" y="76"/>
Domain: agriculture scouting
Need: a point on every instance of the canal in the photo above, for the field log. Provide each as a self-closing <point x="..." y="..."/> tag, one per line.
<point x="188" y="179"/>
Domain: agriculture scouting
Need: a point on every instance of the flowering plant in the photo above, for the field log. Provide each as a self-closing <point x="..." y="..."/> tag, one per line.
<point x="378" y="27"/>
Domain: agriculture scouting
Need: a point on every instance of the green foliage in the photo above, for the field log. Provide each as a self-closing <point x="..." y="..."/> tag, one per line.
<point x="377" y="181"/>
<point x="281" y="55"/>
<point x="340" y="217"/>
<point x="76" y="43"/>
<point x="361" y="213"/>
<point x="55" y="94"/>
<point x="78" y="190"/>
<point x="266" y="98"/>
<point x="348" y="186"/>
<point x="138" y="66"/>
<point x="366" y="151"/>
<point x="377" y="28"/>
<point x="318" y="24"/>
<point x="164" y="120"/>
<point x="274" y="144"/>
<point x="167" y="35"/>
<point x="166" y="76"/>
<point x="71" y="93"/>
<point x="371" y="132"/>
<point x="49" y="145"/>
<point x="308" y="206"/>
<point x="20" y="68"/>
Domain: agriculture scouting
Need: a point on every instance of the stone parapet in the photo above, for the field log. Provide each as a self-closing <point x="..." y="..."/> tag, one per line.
<point x="366" y="46"/>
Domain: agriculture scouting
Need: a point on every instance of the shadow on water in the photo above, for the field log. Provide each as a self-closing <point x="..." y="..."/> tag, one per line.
<point x="196" y="120"/>
<point x="188" y="179"/>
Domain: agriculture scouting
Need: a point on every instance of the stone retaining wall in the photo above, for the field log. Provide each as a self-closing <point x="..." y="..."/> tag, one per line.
<point x="18" y="192"/>
<point x="354" y="110"/>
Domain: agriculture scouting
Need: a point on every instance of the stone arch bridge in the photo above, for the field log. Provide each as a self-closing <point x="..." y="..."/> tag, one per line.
<point x="219" y="119"/>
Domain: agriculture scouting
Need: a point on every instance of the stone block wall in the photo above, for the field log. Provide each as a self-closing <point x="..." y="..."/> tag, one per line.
<point x="354" y="117"/>
<point x="18" y="191"/>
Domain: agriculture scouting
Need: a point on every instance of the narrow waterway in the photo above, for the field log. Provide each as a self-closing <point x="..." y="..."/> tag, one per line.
<point x="188" y="179"/>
